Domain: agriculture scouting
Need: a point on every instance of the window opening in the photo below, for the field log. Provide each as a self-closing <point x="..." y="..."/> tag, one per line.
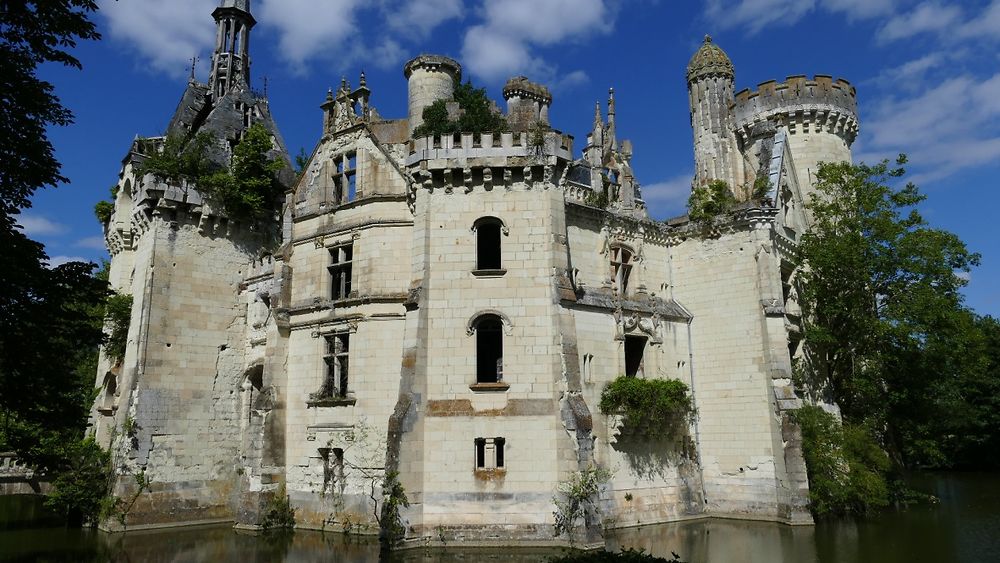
<point x="489" y="453"/>
<point x="345" y="177"/>
<point x="488" y="245"/>
<point x="333" y="470"/>
<point x="588" y="366"/>
<point x="489" y="349"/>
<point x="635" y="346"/>
<point x="337" y="351"/>
<point x="341" y="260"/>
<point x="621" y="267"/>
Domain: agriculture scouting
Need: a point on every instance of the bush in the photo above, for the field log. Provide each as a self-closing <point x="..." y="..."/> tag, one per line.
<point x="81" y="487"/>
<point x="648" y="406"/>
<point x="118" y="315"/>
<point x="477" y="114"/>
<point x="705" y="202"/>
<point x="103" y="210"/>
<point x="279" y="515"/>
<point x="846" y="466"/>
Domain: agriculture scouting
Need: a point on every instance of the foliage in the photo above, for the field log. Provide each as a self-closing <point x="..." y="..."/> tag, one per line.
<point x="706" y="202"/>
<point x="180" y="159"/>
<point x="477" y="115"/>
<point x="279" y="514"/>
<point x="847" y="468"/>
<point x="393" y="497"/>
<point x="34" y="33"/>
<point x="250" y="189"/>
<point x="888" y="337"/>
<point x="761" y="186"/>
<point x="597" y="198"/>
<point x="80" y="484"/>
<point x="103" y="210"/>
<point x="625" y="556"/>
<point x="301" y="162"/>
<point x="577" y="495"/>
<point x="118" y="315"/>
<point x="648" y="406"/>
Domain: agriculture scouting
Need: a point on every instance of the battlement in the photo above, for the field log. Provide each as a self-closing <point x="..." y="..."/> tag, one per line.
<point x="800" y="101"/>
<point x="489" y="149"/>
<point x="521" y="87"/>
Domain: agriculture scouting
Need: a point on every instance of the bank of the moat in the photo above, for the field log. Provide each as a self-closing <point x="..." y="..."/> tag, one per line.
<point x="964" y="528"/>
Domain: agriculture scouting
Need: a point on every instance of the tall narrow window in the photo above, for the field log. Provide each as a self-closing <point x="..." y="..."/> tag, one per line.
<point x="488" y="243"/>
<point x="635" y="347"/>
<point x="621" y="267"/>
<point x="341" y="258"/>
<point x="489" y="453"/>
<point x="489" y="349"/>
<point x="345" y="177"/>
<point x="337" y="352"/>
<point x="333" y="470"/>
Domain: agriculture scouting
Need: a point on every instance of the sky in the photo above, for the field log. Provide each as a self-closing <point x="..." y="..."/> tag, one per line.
<point x="927" y="75"/>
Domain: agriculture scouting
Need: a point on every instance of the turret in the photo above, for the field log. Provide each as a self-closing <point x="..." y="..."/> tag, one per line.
<point x="429" y="78"/>
<point x="820" y="115"/>
<point x="710" y="76"/>
<point x="527" y="103"/>
<point x="231" y="59"/>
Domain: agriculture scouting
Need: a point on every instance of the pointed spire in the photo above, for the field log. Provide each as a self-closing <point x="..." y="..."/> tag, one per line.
<point x="598" y="118"/>
<point x="611" y="104"/>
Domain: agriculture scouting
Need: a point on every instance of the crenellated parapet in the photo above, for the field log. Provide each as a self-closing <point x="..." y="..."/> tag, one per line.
<point x="803" y="105"/>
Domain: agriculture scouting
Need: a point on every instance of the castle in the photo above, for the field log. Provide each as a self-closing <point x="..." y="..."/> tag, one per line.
<point x="448" y="310"/>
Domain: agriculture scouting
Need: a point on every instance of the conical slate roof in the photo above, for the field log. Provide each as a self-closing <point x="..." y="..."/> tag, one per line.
<point x="709" y="60"/>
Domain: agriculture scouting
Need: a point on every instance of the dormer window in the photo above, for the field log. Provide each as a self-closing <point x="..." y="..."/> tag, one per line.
<point x="621" y="267"/>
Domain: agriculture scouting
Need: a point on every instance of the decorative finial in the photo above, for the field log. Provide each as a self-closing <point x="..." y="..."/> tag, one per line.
<point x="329" y="94"/>
<point x="194" y="63"/>
<point x="265" y="86"/>
<point x="708" y="38"/>
<point x="364" y="81"/>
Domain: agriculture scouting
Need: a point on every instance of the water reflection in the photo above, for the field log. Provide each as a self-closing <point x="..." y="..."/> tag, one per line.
<point x="965" y="527"/>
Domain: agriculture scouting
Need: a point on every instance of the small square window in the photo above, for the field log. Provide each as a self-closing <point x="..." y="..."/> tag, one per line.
<point x="489" y="453"/>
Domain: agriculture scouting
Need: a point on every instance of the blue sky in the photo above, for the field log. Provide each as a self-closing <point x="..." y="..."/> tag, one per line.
<point x="927" y="74"/>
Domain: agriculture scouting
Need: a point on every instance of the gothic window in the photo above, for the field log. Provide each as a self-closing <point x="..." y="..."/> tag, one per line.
<point x="337" y="349"/>
<point x="345" y="177"/>
<point x="621" y="267"/>
<point x="587" y="367"/>
<point x="489" y="453"/>
<point x="488" y="231"/>
<point x="489" y="349"/>
<point x="341" y="258"/>
<point x="635" y="347"/>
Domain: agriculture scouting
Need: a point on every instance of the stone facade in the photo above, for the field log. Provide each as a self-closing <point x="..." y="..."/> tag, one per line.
<point x="449" y="310"/>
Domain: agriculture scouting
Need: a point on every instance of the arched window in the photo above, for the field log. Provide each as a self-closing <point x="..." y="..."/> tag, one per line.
<point x="489" y="349"/>
<point x="488" y="231"/>
<point x="621" y="267"/>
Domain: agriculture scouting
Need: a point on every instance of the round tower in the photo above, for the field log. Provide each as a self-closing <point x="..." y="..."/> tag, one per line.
<point x="710" y="76"/>
<point x="528" y="103"/>
<point x="429" y="78"/>
<point x="820" y="116"/>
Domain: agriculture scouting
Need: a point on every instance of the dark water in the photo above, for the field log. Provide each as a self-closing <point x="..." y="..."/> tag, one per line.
<point x="963" y="528"/>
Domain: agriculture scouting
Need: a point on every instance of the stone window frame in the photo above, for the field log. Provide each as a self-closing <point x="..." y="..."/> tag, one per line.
<point x="345" y="177"/>
<point x="489" y="270"/>
<point x="489" y="454"/>
<point x="335" y="389"/>
<point x="505" y="330"/>
<point x="622" y="269"/>
<point x="341" y="269"/>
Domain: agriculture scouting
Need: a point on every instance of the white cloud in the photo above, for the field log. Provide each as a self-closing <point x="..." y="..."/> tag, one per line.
<point x="95" y="243"/>
<point x="502" y="46"/>
<point x="860" y="9"/>
<point x="60" y="260"/>
<point x="949" y="127"/>
<point x="669" y="197"/>
<point x="167" y="34"/>
<point x="307" y="28"/>
<point x="755" y="15"/>
<point x="417" y="18"/>
<point x="37" y="226"/>
<point x="925" y="18"/>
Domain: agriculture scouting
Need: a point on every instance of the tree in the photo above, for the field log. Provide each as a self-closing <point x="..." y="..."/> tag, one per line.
<point x="887" y="334"/>
<point x="32" y="33"/>
<point x="250" y="189"/>
<point x="477" y="114"/>
<point x="706" y="202"/>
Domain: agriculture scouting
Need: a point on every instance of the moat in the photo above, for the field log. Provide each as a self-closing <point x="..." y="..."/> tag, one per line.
<point x="964" y="527"/>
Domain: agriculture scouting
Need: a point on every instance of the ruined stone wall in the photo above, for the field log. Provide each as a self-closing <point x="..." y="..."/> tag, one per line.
<point x="739" y="430"/>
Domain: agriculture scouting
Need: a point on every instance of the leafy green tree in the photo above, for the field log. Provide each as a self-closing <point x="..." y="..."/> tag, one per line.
<point x="886" y="330"/>
<point x="250" y="189"/>
<point x="181" y="160"/>
<point x="477" y="115"/>
<point x="32" y="33"/>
